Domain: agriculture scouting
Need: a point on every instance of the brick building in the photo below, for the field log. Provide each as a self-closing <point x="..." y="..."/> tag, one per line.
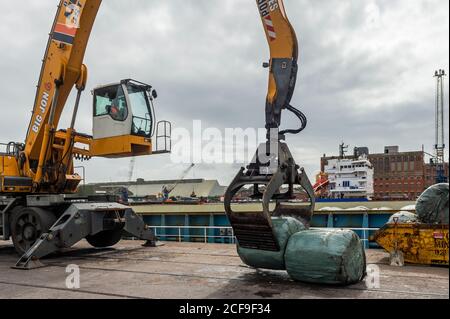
<point x="431" y="174"/>
<point x="398" y="175"/>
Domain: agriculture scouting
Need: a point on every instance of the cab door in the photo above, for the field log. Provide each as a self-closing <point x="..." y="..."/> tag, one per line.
<point x="111" y="112"/>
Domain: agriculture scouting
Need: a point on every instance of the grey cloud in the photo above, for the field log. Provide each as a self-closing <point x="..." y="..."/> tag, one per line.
<point x="366" y="71"/>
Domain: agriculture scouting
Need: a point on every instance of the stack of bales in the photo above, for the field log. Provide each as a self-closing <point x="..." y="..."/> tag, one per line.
<point x="431" y="208"/>
<point x="315" y="256"/>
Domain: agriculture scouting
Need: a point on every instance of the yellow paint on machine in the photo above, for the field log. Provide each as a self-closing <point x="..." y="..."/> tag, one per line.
<point x="8" y="166"/>
<point x="121" y="146"/>
<point x="420" y="243"/>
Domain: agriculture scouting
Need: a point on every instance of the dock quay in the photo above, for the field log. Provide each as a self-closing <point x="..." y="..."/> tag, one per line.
<point x="197" y="271"/>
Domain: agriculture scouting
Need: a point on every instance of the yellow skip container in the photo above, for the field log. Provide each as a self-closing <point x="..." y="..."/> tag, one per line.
<point x="419" y="243"/>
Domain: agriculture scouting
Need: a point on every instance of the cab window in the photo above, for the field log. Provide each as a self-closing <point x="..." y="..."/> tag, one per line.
<point x="142" y="120"/>
<point x="111" y="101"/>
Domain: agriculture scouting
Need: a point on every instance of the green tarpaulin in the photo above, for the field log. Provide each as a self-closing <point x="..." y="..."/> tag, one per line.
<point x="326" y="257"/>
<point x="284" y="228"/>
<point x="432" y="205"/>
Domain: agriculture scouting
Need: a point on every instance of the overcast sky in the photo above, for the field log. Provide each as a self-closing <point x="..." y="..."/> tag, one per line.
<point x="366" y="71"/>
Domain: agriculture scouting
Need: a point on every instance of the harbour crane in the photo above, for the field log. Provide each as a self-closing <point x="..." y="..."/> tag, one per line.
<point x="169" y="189"/>
<point x="439" y="146"/>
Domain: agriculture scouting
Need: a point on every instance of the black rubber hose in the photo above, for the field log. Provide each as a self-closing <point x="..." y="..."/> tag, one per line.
<point x="302" y="118"/>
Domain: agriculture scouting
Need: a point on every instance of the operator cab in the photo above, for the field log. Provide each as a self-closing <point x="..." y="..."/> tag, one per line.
<point x="124" y="108"/>
<point x="124" y="120"/>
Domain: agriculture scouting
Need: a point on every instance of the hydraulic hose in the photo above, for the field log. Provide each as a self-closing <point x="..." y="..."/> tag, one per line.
<point x="302" y="118"/>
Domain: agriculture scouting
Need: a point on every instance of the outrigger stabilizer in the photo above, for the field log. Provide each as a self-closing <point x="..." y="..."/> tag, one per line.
<point x="103" y="224"/>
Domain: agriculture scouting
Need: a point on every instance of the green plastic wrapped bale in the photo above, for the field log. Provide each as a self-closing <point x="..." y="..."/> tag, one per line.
<point x="334" y="257"/>
<point x="284" y="228"/>
<point x="432" y="205"/>
<point x="404" y="218"/>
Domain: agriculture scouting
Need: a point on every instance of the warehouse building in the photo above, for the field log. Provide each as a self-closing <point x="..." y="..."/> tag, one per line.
<point x="153" y="189"/>
<point x="399" y="175"/>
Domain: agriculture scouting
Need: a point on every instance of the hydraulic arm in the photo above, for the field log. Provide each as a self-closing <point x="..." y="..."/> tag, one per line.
<point x="273" y="165"/>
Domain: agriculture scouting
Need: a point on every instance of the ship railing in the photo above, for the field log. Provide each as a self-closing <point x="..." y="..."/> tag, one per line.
<point x="207" y="234"/>
<point x="182" y="233"/>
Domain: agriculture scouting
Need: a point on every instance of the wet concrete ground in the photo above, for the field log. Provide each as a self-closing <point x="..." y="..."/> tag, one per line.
<point x="196" y="271"/>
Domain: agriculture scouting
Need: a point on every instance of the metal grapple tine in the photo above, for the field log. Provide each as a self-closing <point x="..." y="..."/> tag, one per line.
<point x="300" y="212"/>
<point x="253" y="230"/>
<point x="305" y="183"/>
<point x="232" y="190"/>
<point x="274" y="185"/>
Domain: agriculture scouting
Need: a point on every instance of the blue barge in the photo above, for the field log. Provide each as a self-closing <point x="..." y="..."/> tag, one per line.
<point x="197" y="223"/>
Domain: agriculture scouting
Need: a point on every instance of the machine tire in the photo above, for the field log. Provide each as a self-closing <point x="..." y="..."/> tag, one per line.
<point x="107" y="238"/>
<point x="27" y="225"/>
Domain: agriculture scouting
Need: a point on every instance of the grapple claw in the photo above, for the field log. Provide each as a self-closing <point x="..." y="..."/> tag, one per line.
<point x="254" y="230"/>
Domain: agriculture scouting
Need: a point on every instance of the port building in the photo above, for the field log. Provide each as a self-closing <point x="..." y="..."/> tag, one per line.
<point x="142" y="189"/>
<point x="397" y="175"/>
